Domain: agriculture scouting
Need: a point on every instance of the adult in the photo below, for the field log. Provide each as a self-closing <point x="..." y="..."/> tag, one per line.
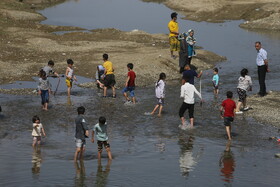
<point x="190" y="41"/>
<point x="262" y="64"/>
<point x="173" y="34"/>
<point x="99" y="76"/>
<point x="109" y="80"/>
<point x="189" y="74"/>
<point x="183" y="53"/>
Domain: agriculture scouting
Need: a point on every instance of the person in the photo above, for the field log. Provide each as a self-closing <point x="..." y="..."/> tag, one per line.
<point x="99" y="76"/>
<point x="70" y="75"/>
<point x="173" y="34"/>
<point x="81" y="133"/>
<point x="37" y="131"/>
<point x="187" y="92"/>
<point x="130" y="84"/>
<point x="160" y="93"/>
<point x="109" y="80"/>
<point x="215" y="81"/>
<point x="227" y="112"/>
<point x="100" y="129"/>
<point x="190" y="74"/>
<point x="262" y="63"/>
<point x="191" y="41"/>
<point x="49" y="69"/>
<point x="44" y="89"/>
<point x="244" y="85"/>
<point x="183" y="53"/>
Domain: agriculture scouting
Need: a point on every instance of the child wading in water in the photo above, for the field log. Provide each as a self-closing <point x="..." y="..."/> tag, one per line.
<point x="227" y="112"/>
<point x="160" y="93"/>
<point x="37" y="131"/>
<point x="44" y="89"/>
<point x="244" y="85"/>
<point x="69" y="76"/>
<point x="215" y="81"/>
<point x="130" y="83"/>
<point x="100" y="129"/>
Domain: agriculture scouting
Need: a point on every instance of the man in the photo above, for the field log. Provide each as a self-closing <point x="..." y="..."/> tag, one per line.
<point x="189" y="74"/>
<point x="109" y="80"/>
<point x="173" y="34"/>
<point x="262" y="64"/>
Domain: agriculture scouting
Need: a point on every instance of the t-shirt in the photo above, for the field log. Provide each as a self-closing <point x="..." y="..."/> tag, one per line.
<point x="216" y="80"/>
<point x="173" y="27"/>
<point x="229" y="106"/>
<point x="131" y="74"/>
<point x="187" y="92"/>
<point x="109" y="67"/>
<point x="261" y="56"/>
<point x="101" y="131"/>
<point x="44" y="84"/>
<point x="190" y="74"/>
<point x="37" y="131"/>
<point x="48" y="70"/>
<point x="81" y="127"/>
<point x="160" y="89"/>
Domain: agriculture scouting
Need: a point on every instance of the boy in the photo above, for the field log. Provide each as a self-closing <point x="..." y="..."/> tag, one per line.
<point x="109" y="80"/>
<point x="173" y="28"/>
<point x="81" y="133"/>
<point x="102" y="137"/>
<point x="215" y="81"/>
<point x="130" y="83"/>
<point x="48" y="69"/>
<point x="227" y="112"/>
<point x="69" y="76"/>
<point x="187" y="92"/>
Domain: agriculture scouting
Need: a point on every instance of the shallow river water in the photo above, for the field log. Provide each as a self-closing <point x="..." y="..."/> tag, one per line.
<point x="147" y="150"/>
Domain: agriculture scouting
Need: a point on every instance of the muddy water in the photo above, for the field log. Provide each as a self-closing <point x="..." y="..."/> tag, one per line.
<point x="147" y="150"/>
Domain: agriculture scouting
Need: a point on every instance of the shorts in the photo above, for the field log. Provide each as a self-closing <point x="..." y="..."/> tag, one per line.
<point x="45" y="96"/>
<point x="160" y="101"/>
<point x="130" y="90"/>
<point x="228" y="121"/>
<point x="69" y="82"/>
<point x="241" y="94"/>
<point x="184" y="107"/>
<point x="109" y="80"/>
<point x="100" y="145"/>
<point x="37" y="138"/>
<point x="174" y="43"/>
<point x="215" y="87"/>
<point x="80" y="143"/>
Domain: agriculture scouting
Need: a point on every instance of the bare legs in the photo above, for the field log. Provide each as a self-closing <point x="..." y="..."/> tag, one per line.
<point x="155" y="109"/>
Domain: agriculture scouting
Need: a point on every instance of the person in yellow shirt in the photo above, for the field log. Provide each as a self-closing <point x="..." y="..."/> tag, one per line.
<point x="109" y="80"/>
<point x="173" y="34"/>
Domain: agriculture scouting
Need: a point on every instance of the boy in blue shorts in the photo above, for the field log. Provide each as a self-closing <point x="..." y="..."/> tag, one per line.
<point x="130" y="84"/>
<point x="100" y="129"/>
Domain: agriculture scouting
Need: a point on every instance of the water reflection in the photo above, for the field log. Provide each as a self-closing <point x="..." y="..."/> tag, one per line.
<point x="102" y="175"/>
<point x="80" y="173"/>
<point x="227" y="164"/>
<point x="186" y="160"/>
<point x="36" y="161"/>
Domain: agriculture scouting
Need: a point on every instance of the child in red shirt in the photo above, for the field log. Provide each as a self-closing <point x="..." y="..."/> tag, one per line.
<point x="130" y="84"/>
<point x="227" y="112"/>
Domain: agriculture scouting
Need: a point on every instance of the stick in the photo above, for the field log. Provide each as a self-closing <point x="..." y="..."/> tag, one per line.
<point x="56" y="87"/>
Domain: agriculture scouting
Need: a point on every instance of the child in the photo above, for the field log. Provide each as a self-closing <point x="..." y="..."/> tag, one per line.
<point x="130" y="83"/>
<point x="244" y="84"/>
<point x="48" y="69"/>
<point x="227" y="112"/>
<point x="69" y="76"/>
<point x="215" y="81"/>
<point x="160" y="93"/>
<point x="187" y="92"/>
<point x="37" y="131"/>
<point x="191" y="41"/>
<point x="44" y="88"/>
<point x="109" y="80"/>
<point x="81" y="133"/>
<point x="102" y="137"/>
<point x="99" y="76"/>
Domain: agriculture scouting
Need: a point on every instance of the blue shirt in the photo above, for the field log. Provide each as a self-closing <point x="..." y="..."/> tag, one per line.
<point x="216" y="79"/>
<point x="190" y="74"/>
<point x="101" y="131"/>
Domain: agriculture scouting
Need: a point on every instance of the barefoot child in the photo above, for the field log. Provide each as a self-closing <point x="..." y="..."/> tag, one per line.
<point x="37" y="131"/>
<point x="100" y="129"/>
<point x="81" y="133"/>
<point x="109" y="80"/>
<point x="160" y="93"/>
<point x="49" y="69"/>
<point x="215" y="81"/>
<point x="227" y="112"/>
<point x="44" y="89"/>
<point x="130" y="83"/>
<point x="70" y="76"/>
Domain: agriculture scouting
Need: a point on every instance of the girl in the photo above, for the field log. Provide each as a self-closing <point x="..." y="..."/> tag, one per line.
<point x="160" y="93"/>
<point x="37" y="131"/>
<point x="44" y="89"/>
<point x="244" y="85"/>
<point x="190" y="41"/>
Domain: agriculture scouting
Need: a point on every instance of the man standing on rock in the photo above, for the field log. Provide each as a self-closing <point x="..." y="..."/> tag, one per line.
<point x="262" y="64"/>
<point x="173" y="34"/>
